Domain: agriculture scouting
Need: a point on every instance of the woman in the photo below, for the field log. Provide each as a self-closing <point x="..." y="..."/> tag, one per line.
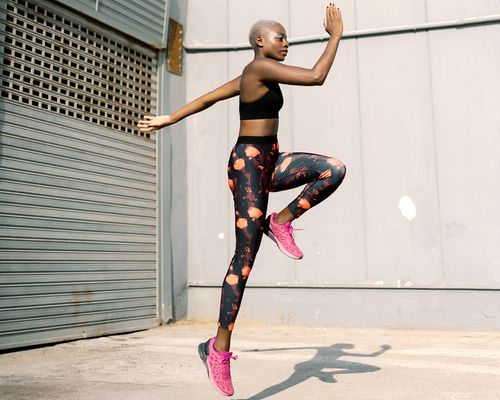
<point x="256" y="167"/>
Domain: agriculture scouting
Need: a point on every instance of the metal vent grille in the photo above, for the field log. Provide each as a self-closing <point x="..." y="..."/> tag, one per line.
<point x="57" y="64"/>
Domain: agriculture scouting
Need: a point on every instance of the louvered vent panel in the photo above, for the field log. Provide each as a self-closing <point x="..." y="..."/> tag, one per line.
<point x="56" y="63"/>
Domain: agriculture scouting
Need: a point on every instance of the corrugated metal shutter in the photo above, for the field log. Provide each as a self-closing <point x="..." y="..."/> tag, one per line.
<point x="77" y="183"/>
<point x="144" y="20"/>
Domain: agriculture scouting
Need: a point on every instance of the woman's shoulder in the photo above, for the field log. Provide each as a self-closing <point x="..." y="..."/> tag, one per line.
<point x="257" y="65"/>
<point x="259" y="62"/>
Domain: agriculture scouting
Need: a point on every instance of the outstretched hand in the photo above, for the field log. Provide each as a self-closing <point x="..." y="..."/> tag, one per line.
<point x="151" y="124"/>
<point x="333" y="21"/>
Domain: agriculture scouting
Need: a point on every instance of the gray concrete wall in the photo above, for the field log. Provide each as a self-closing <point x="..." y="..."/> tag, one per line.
<point x="172" y="238"/>
<point x="410" y="114"/>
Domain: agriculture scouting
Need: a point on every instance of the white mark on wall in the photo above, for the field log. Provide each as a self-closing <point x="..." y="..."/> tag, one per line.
<point x="378" y="283"/>
<point x="407" y="207"/>
<point x="405" y="284"/>
<point x="221" y="235"/>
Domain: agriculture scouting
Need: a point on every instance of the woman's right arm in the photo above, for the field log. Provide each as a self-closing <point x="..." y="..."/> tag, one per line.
<point x="229" y="89"/>
<point x="268" y="69"/>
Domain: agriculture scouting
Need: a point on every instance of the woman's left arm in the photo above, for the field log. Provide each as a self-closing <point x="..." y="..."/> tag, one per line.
<point x="226" y="91"/>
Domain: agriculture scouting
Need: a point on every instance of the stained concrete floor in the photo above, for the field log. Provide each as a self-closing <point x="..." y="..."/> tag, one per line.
<point x="277" y="362"/>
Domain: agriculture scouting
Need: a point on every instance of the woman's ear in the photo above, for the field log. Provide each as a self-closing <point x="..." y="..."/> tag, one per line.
<point x="259" y="41"/>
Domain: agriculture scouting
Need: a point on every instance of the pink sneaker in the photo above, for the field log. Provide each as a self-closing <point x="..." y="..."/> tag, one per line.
<point x="218" y="366"/>
<point x="283" y="236"/>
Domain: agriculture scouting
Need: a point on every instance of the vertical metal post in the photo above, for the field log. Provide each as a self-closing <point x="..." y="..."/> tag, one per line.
<point x="164" y="194"/>
<point x="164" y="184"/>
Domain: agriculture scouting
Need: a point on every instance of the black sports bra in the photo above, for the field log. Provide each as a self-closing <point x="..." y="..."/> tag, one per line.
<point x="266" y="107"/>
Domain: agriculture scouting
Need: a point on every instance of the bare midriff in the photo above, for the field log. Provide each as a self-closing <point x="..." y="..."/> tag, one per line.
<point x="259" y="127"/>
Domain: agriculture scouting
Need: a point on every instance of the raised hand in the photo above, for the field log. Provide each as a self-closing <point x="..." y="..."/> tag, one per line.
<point x="333" y="21"/>
<point x="151" y="124"/>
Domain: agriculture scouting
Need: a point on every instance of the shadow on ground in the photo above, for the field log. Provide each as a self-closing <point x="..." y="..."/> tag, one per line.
<point x="326" y="357"/>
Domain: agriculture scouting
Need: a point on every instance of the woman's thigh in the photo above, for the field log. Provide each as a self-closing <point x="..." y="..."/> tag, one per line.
<point x="297" y="169"/>
<point x="249" y="175"/>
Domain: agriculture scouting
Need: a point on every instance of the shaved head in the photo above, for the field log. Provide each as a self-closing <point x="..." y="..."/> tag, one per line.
<point x="260" y="28"/>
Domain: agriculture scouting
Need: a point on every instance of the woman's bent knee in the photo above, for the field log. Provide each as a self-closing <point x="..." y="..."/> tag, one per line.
<point x="336" y="170"/>
<point x="343" y="170"/>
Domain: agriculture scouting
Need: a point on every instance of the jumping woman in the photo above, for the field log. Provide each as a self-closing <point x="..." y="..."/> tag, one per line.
<point x="257" y="167"/>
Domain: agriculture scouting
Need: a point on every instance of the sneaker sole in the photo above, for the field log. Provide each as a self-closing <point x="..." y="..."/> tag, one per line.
<point x="269" y="233"/>
<point x="203" y="356"/>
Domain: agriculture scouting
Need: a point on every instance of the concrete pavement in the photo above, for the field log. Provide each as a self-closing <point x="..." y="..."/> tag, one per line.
<point x="278" y="362"/>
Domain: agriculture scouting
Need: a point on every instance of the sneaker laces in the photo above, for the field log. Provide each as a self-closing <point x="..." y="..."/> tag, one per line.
<point x="226" y="359"/>
<point x="291" y="230"/>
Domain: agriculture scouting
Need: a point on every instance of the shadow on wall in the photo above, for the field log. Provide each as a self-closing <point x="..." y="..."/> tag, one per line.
<point x="325" y="357"/>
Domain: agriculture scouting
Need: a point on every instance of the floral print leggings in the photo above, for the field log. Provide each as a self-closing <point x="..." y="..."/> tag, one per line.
<point x="255" y="168"/>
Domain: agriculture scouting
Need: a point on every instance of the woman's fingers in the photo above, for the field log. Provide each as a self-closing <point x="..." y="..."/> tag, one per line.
<point x="146" y="119"/>
<point x="331" y="12"/>
<point x="146" y="124"/>
<point x="150" y="123"/>
<point x="333" y="20"/>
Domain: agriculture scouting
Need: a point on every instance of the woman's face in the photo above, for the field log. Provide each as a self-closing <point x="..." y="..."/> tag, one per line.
<point x="275" y="43"/>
